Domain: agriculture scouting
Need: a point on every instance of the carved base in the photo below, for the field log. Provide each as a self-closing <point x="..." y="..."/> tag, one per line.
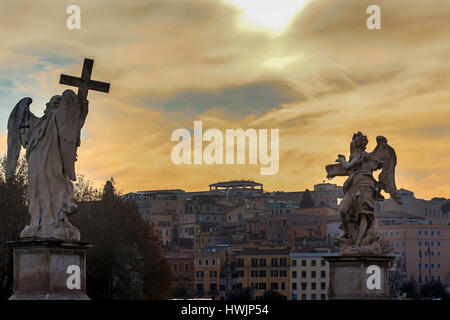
<point x="62" y="230"/>
<point x="41" y="269"/>
<point x="351" y="277"/>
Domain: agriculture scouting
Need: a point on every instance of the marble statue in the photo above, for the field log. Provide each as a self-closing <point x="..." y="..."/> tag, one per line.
<point x="51" y="144"/>
<point x="361" y="190"/>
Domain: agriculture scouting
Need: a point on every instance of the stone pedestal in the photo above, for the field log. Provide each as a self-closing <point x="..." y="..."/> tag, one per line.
<point x="359" y="277"/>
<point x="42" y="269"/>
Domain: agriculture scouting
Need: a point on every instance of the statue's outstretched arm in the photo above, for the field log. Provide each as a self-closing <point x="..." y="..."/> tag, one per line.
<point x="348" y="164"/>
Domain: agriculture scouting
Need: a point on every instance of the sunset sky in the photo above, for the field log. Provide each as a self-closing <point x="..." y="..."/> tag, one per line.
<point x="309" y="68"/>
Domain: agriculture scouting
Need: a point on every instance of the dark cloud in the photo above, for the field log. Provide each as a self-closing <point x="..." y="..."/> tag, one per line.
<point x="254" y="98"/>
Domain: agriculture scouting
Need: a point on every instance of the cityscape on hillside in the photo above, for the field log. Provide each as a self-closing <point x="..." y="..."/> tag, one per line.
<point x="236" y="237"/>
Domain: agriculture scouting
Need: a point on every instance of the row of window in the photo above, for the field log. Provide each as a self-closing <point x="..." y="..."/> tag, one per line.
<point x="261" y="262"/>
<point x="175" y="267"/>
<point x="438" y="278"/>
<point x="263" y="273"/>
<point x="431" y="253"/>
<point x="438" y="232"/>
<point x="431" y="265"/>
<point x="425" y="232"/>
<point x="304" y="286"/>
<point x="264" y="286"/>
<point x="313" y="296"/>
<point x="206" y="262"/>
<point x="323" y="274"/>
<point x="212" y="274"/>
<point x="432" y="243"/>
<point x="313" y="262"/>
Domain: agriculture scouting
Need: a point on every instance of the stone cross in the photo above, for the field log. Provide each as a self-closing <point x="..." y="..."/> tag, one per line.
<point x="85" y="83"/>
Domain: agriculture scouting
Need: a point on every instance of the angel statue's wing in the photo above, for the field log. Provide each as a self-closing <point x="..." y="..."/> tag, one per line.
<point x="17" y="123"/>
<point x="68" y="118"/>
<point x="386" y="158"/>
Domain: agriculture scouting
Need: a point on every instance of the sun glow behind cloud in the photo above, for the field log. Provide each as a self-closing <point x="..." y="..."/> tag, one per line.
<point x="269" y="15"/>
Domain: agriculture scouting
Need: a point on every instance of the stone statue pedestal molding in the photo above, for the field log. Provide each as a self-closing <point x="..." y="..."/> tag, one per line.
<point x="47" y="269"/>
<point x="354" y="277"/>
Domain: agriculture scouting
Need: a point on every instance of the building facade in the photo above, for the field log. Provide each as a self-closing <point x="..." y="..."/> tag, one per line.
<point x="309" y="276"/>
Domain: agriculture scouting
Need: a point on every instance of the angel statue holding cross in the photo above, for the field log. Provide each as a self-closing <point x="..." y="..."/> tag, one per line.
<point x="360" y="192"/>
<point x="51" y="143"/>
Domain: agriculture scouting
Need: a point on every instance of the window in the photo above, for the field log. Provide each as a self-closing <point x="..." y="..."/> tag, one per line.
<point x="323" y="286"/>
<point x="213" y="274"/>
<point x="213" y="262"/>
<point x="420" y="243"/>
<point x="303" y="296"/>
<point x="254" y="273"/>
<point x="313" y="296"/>
<point x="274" y="273"/>
<point x="283" y="286"/>
<point x="274" y="262"/>
<point x="323" y="296"/>
<point x="262" y="286"/>
<point x="313" y="274"/>
<point x="438" y="232"/>
<point x="199" y="262"/>
<point x="274" y="286"/>
<point x="175" y="267"/>
<point x="206" y="262"/>
<point x="294" y="274"/>
<point x="262" y="262"/>
<point x="294" y="285"/>
<point x="420" y="232"/>
<point x="304" y="274"/>
<point x="323" y="274"/>
<point x="262" y="274"/>
<point x="254" y="262"/>
<point x="283" y="273"/>
<point x="322" y="263"/>
<point x="186" y="267"/>
<point x="313" y="286"/>
<point x="304" y="285"/>
<point x="303" y="263"/>
<point x="294" y="262"/>
<point x="283" y="262"/>
<point x="313" y="263"/>
<point x="240" y="262"/>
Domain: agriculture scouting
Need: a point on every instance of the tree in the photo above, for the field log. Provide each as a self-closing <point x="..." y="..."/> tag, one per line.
<point x="242" y="294"/>
<point x="13" y="218"/>
<point x="411" y="289"/>
<point x="307" y="200"/>
<point x="273" y="295"/>
<point x="125" y="261"/>
<point x="435" y="288"/>
<point x="180" y="292"/>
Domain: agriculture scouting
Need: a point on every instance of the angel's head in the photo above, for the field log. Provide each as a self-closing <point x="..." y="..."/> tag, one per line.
<point x="52" y="104"/>
<point x="359" y="141"/>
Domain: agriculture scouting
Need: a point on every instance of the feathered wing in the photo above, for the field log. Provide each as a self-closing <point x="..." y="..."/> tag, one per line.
<point x="18" y="120"/>
<point x="385" y="155"/>
<point x="68" y="118"/>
